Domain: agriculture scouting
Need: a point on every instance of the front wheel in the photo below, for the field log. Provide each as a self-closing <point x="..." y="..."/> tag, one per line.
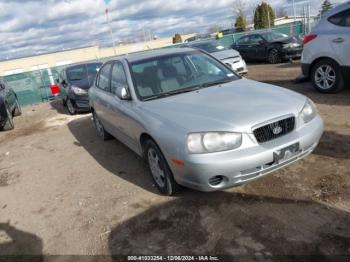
<point x="18" y="110"/>
<point x="71" y="107"/>
<point x="159" y="169"/>
<point x="273" y="57"/>
<point x="326" y="76"/>
<point x="9" y="125"/>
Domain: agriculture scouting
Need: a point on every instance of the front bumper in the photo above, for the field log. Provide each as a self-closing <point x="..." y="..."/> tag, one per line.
<point x="249" y="163"/>
<point x="291" y="53"/>
<point x="81" y="102"/>
<point x="239" y="66"/>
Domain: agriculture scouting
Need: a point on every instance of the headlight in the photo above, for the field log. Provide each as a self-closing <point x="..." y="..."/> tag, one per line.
<point x="290" y="45"/>
<point x="78" y="90"/>
<point x="199" y="143"/>
<point x="309" y="111"/>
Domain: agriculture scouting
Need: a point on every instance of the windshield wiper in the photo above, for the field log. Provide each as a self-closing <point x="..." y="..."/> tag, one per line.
<point x="171" y="93"/>
<point x="219" y="82"/>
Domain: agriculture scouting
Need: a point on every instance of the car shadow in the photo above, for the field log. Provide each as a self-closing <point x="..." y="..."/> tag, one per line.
<point x="240" y="225"/>
<point x="334" y="145"/>
<point x="16" y="245"/>
<point x="58" y="106"/>
<point x="112" y="155"/>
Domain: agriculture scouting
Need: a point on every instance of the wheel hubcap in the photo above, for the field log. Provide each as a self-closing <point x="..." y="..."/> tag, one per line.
<point x="156" y="170"/>
<point x="325" y="77"/>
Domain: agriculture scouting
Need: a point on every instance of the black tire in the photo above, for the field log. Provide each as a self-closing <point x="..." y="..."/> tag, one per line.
<point x="332" y="86"/>
<point x="9" y="125"/>
<point x="64" y="102"/>
<point x="273" y="56"/>
<point x="165" y="183"/>
<point x="70" y="107"/>
<point x="101" y="132"/>
<point x="18" y="110"/>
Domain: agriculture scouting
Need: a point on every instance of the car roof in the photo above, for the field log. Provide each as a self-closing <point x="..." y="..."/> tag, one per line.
<point x="82" y="64"/>
<point x="336" y="9"/>
<point x="135" y="57"/>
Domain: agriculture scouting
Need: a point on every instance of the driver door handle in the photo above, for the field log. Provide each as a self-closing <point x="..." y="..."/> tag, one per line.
<point x="338" y="40"/>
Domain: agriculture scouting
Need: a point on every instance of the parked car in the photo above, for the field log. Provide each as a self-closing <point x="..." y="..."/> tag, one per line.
<point x="197" y="122"/>
<point x="74" y="82"/>
<point x="273" y="47"/>
<point x="326" y="56"/>
<point x="229" y="57"/>
<point x="9" y="106"/>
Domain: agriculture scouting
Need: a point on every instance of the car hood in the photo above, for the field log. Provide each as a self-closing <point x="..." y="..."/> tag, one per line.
<point x="221" y="55"/>
<point x="235" y="106"/>
<point x="83" y="83"/>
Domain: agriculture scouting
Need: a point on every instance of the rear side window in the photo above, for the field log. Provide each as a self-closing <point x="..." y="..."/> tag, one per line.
<point x="341" y="19"/>
<point x="118" y="77"/>
<point x="103" y="78"/>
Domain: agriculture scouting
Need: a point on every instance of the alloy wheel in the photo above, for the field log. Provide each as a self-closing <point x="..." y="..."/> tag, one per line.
<point x="325" y="77"/>
<point x="156" y="170"/>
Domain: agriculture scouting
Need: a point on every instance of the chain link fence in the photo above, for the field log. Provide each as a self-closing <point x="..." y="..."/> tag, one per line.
<point x="34" y="87"/>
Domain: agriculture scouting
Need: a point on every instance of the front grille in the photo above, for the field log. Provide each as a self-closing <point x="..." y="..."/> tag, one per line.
<point x="274" y="130"/>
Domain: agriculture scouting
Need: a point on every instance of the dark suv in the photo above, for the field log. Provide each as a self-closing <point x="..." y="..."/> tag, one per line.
<point x="75" y="82"/>
<point x="9" y="106"/>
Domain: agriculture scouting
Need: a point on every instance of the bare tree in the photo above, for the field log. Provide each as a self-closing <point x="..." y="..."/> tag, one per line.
<point x="281" y="12"/>
<point x="240" y="7"/>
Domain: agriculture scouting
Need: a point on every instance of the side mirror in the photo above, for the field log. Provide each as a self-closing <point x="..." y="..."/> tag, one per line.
<point x="261" y="42"/>
<point x="122" y="93"/>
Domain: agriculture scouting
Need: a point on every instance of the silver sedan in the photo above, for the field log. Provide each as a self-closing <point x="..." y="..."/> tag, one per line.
<point x="197" y="123"/>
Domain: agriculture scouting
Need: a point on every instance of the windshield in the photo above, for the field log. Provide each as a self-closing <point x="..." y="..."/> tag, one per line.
<point x="81" y="72"/>
<point x="209" y="47"/>
<point x="178" y="73"/>
<point x="273" y="36"/>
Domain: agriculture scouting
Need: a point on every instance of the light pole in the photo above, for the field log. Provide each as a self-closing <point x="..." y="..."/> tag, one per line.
<point x="110" y="30"/>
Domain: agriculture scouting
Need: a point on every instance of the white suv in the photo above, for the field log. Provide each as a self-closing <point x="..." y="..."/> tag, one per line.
<point x="326" y="55"/>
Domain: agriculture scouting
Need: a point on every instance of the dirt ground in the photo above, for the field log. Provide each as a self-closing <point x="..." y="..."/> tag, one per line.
<point x="63" y="191"/>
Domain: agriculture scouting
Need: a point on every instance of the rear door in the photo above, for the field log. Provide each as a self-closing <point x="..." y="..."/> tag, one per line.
<point x="259" y="46"/>
<point x="243" y="46"/>
<point x="102" y="98"/>
<point x="340" y="36"/>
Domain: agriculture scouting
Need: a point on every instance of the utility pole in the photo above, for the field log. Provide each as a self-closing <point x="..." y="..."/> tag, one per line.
<point x="294" y="11"/>
<point x="111" y="31"/>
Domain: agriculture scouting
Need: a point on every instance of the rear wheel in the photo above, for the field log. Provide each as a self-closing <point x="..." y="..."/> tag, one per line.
<point x="9" y="121"/>
<point x="326" y="76"/>
<point x="159" y="169"/>
<point x="273" y="56"/>
<point x="101" y="132"/>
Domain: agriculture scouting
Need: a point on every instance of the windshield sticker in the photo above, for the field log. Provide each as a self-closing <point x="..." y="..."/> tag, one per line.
<point x="230" y="75"/>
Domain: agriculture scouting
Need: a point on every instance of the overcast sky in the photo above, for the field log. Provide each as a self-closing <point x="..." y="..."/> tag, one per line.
<point x="29" y="27"/>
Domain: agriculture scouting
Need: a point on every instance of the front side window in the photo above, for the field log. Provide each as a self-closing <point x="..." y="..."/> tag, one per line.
<point x="103" y="77"/>
<point x="118" y="77"/>
<point x="177" y="73"/>
<point x="273" y="36"/>
<point x="256" y="39"/>
<point x="341" y="19"/>
<point x="245" y="40"/>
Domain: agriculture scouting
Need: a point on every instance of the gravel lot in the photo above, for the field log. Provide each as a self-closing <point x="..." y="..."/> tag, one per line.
<point x="63" y="191"/>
